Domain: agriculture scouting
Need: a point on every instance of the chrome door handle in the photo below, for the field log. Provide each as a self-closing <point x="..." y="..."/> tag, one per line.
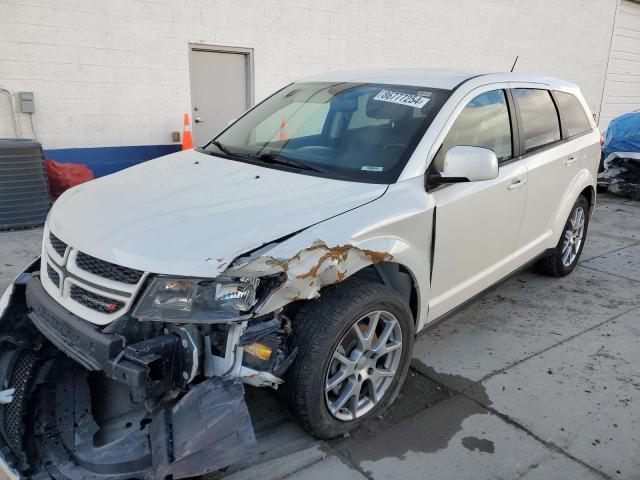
<point x="570" y="161"/>
<point x="517" y="183"/>
<point x="199" y="120"/>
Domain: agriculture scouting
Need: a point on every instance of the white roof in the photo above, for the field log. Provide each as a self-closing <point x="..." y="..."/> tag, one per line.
<point x="433" y="78"/>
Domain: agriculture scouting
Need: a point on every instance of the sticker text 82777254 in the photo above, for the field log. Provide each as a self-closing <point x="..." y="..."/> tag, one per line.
<point x="401" y="98"/>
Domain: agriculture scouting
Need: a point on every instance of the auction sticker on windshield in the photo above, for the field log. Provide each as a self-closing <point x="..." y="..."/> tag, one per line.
<point x="416" y="101"/>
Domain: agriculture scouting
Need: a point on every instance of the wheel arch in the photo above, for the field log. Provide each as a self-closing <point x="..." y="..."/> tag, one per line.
<point x="392" y="274"/>
<point x="583" y="183"/>
<point x="590" y="194"/>
<point x="400" y="278"/>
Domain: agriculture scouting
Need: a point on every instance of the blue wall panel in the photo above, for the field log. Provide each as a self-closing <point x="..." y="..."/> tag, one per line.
<point x="105" y="160"/>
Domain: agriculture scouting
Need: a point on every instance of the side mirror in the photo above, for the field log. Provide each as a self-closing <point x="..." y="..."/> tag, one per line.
<point x="467" y="164"/>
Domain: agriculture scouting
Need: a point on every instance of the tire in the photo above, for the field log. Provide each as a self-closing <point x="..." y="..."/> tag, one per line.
<point x="320" y="328"/>
<point x="555" y="264"/>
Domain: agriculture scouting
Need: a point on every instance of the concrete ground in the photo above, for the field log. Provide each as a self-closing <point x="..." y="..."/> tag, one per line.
<point x="538" y="379"/>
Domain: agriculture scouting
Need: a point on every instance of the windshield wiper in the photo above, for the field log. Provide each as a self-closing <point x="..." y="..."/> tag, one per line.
<point x="281" y="160"/>
<point x="221" y="147"/>
<point x="266" y="158"/>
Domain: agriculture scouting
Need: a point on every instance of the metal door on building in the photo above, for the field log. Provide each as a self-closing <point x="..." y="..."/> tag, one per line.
<point x="221" y="81"/>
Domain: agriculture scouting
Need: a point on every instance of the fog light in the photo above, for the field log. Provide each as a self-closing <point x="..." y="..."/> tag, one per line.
<point x="259" y="350"/>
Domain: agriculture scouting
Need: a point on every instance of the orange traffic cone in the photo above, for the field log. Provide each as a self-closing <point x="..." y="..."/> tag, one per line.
<point x="187" y="140"/>
<point x="283" y="129"/>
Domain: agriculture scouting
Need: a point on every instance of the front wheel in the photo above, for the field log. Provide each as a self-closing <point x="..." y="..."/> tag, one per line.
<point x="566" y="254"/>
<point x="354" y="349"/>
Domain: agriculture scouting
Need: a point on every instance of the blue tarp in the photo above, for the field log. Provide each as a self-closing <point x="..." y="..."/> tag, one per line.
<point x="623" y="134"/>
<point x="621" y="153"/>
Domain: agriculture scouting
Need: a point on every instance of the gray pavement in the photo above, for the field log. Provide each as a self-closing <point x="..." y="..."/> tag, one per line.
<point x="539" y="379"/>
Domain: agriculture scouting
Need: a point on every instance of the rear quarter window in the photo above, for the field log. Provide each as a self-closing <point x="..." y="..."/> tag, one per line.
<point x="574" y="118"/>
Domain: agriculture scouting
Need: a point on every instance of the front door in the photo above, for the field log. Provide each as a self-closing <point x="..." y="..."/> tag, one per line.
<point x="477" y="223"/>
<point x="221" y="89"/>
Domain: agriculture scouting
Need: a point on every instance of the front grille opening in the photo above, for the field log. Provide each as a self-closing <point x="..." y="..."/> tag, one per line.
<point x="108" y="270"/>
<point x="53" y="276"/>
<point x="94" y="301"/>
<point x="58" y="245"/>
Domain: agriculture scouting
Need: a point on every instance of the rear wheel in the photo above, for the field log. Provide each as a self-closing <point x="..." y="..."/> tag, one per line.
<point x="354" y="351"/>
<point x="566" y="254"/>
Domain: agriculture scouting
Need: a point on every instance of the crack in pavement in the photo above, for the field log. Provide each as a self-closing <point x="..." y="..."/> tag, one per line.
<point x="561" y="342"/>
<point x="467" y="392"/>
<point x="345" y="458"/>
<point x="608" y="273"/>
<point x="582" y="260"/>
<point x="549" y="444"/>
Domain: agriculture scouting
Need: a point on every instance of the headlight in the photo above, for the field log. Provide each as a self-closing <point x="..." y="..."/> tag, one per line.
<point x="196" y="300"/>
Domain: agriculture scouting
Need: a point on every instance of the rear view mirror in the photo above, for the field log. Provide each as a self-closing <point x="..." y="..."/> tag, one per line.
<point x="467" y="164"/>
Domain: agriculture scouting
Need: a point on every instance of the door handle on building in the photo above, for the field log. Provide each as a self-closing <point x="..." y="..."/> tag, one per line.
<point x="517" y="183"/>
<point x="198" y="120"/>
<point x="570" y="161"/>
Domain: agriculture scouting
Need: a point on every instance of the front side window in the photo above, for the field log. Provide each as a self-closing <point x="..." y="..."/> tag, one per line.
<point x="484" y="122"/>
<point x="540" y="124"/>
<point x="574" y="118"/>
<point x="358" y="132"/>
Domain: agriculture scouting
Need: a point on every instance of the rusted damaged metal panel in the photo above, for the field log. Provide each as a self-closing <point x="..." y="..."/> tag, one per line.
<point x="308" y="271"/>
<point x="332" y="250"/>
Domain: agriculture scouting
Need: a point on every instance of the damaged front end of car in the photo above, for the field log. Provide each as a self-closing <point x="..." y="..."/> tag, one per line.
<point x="137" y="398"/>
<point x="156" y="390"/>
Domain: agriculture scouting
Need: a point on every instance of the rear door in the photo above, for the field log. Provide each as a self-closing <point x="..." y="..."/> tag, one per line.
<point x="552" y="164"/>
<point x="477" y="223"/>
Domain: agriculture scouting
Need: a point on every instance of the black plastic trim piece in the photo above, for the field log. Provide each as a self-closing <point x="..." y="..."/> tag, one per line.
<point x="433" y="243"/>
<point x="516" y="135"/>
<point x="468" y="79"/>
<point x="563" y="127"/>
<point x="436" y="178"/>
<point x="74" y="336"/>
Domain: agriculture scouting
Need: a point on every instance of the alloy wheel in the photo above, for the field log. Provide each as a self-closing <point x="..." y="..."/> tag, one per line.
<point x="363" y="366"/>
<point x="573" y="237"/>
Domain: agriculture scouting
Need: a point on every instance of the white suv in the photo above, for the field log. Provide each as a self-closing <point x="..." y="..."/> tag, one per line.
<point x="303" y="248"/>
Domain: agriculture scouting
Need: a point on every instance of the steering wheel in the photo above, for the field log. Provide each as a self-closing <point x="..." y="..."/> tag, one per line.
<point x="395" y="145"/>
<point x="316" y="150"/>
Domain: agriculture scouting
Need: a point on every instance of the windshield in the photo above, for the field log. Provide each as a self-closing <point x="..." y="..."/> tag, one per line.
<point x="357" y="132"/>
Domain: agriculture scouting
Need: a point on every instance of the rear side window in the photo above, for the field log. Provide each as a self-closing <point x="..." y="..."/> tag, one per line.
<point x="484" y="122"/>
<point x="574" y="118"/>
<point x="540" y="124"/>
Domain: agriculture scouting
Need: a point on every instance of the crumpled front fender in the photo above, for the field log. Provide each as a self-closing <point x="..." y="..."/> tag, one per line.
<point x="21" y="279"/>
<point x="9" y="302"/>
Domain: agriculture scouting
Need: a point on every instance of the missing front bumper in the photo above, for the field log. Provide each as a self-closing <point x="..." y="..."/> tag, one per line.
<point x="207" y="429"/>
<point x="77" y="420"/>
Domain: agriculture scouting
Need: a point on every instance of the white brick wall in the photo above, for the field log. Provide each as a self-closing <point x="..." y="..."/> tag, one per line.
<point x="115" y="72"/>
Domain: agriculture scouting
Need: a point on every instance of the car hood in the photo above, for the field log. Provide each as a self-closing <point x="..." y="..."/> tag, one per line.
<point x="191" y="213"/>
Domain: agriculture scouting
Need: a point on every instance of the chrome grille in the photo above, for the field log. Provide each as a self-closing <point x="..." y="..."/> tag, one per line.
<point x="108" y="270"/>
<point x="58" y="245"/>
<point x="96" y="290"/>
